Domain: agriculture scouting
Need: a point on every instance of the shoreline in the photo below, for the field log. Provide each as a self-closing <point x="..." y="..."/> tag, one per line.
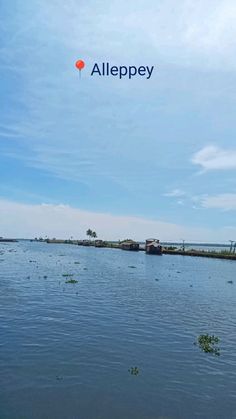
<point x="165" y="251"/>
<point x="200" y="253"/>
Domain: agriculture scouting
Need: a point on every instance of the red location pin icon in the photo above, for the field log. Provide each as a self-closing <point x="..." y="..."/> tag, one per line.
<point x="80" y="64"/>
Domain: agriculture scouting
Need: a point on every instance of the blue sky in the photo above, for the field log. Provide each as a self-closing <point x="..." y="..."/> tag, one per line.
<point x="160" y="151"/>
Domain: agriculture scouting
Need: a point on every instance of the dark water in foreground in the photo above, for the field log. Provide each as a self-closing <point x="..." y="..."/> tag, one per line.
<point x="66" y="349"/>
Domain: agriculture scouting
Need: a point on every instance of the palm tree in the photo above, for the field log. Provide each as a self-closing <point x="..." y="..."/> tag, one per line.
<point x="89" y="233"/>
<point x="94" y="234"/>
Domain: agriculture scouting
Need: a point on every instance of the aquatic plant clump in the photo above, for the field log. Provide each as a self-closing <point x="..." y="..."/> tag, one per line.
<point x="134" y="370"/>
<point x="71" y="281"/>
<point x="207" y="344"/>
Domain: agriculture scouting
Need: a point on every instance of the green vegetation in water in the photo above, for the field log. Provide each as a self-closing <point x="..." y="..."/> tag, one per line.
<point x="230" y="282"/>
<point x="207" y="344"/>
<point x="71" y="281"/>
<point x="76" y="263"/>
<point x="134" y="371"/>
<point x="67" y="275"/>
<point x="132" y="266"/>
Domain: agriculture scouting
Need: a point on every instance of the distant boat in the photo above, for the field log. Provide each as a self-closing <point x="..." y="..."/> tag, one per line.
<point x="153" y="247"/>
<point x="87" y="243"/>
<point x="129" y="245"/>
<point x="99" y="243"/>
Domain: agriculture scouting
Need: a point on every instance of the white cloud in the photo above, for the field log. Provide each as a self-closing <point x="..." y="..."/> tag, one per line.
<point x="61" y="221"/>
<point x="225" y="201"/>
<point x="198" y="33"/>
<point x="215" y="158"/>
<point x="188" y="32"/>
<point x="175" y="193"/>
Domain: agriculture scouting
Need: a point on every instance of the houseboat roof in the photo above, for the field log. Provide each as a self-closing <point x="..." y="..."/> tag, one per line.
<point x="154" y="244"/>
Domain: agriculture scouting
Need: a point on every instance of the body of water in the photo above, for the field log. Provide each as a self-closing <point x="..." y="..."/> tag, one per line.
<point x="67" y="350"/>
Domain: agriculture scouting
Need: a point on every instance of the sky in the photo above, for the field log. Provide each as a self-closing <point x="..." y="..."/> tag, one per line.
<point x="128" y="158"/>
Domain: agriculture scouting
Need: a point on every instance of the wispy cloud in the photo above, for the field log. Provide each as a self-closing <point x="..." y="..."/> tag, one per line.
<point x="186" y="32"/>
<point x="225" y="201"/>
<point x="175" y="193"/>
<point x="215" y="158"/>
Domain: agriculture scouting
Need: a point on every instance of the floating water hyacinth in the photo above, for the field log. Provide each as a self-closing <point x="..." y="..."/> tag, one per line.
<point x="134" y="370"/>
<point x="71" y="281"/>
<point x="206" y="344"/>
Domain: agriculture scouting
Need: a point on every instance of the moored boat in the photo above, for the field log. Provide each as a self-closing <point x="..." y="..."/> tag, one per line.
<point x="153" y="247"/>
<point x="129" y="245"/>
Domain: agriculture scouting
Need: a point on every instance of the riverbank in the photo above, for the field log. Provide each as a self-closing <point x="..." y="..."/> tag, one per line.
<point x="2" y="240"/>
<point x="201" y="253"/>
<point x="223" y="254"/>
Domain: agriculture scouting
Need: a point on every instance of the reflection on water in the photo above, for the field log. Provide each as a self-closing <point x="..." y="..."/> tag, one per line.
<point x="67" y="347"/>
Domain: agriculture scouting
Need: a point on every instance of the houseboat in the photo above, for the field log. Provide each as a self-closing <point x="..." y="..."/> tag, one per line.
<point x="153" y="247"/>
<point x="99" y="243"/>
<point x="87" y="243"/>
<point x="129" y="245"/>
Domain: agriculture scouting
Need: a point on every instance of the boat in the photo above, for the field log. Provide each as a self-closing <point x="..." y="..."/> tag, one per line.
<point x="153" y="247"/>
<point x="129" y="245"/>
<point x="99" y="243"/>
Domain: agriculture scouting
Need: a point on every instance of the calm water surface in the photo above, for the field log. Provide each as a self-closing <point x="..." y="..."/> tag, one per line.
<point x="66" y="349"/>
